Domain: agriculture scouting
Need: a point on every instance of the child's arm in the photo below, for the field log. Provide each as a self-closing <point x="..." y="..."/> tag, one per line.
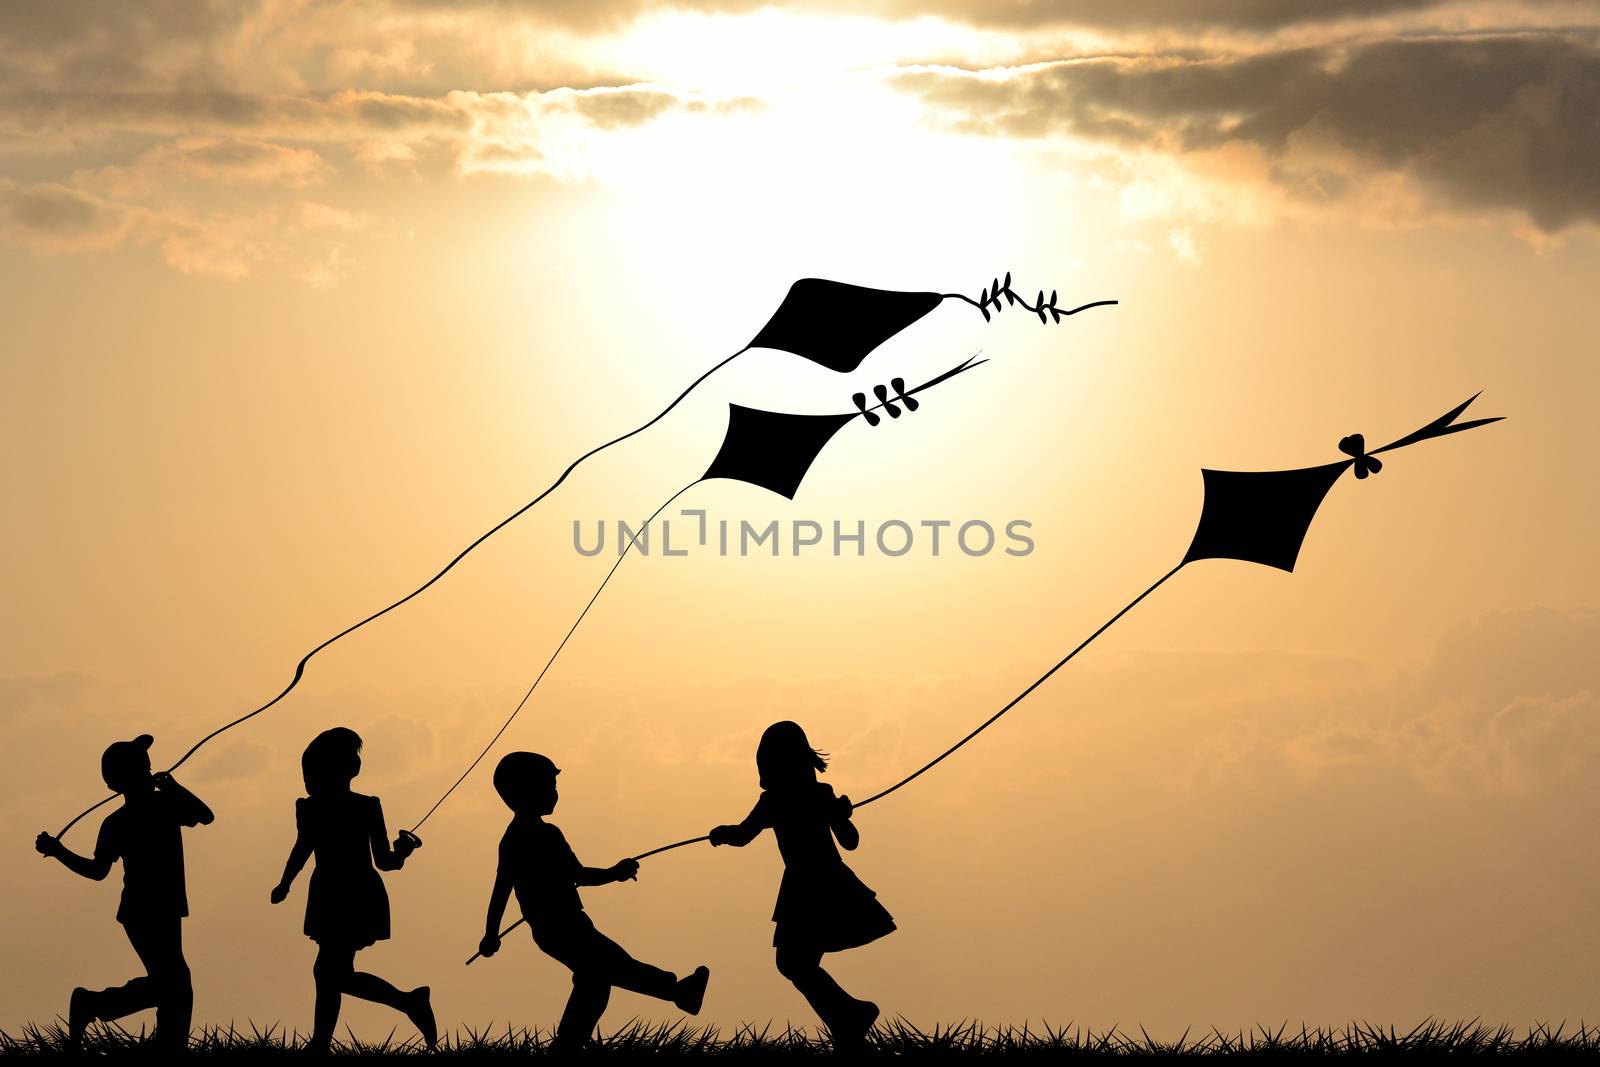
<point x="384" y="857"/>
<point x="498" y="897"/>
<point x="298" y="855"/>
<point x="741" y="834"/>
<point x="190" y="809"/>
<point x="95" y="868"/>
<point x="621" y="871"/>
<point x="839" y="820"/>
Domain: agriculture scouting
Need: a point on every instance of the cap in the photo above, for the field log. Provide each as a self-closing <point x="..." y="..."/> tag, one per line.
<point x="517" y="767"/>
<point x="124" y="757"/>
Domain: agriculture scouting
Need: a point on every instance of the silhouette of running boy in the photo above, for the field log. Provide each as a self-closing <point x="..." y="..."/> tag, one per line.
<point x="537" y="863"/>
<point x="146" y="834"/>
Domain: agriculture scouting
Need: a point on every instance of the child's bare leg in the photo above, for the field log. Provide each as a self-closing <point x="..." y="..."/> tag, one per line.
<point x="371" y="987"/>
<point x="332" y="971"/>
<point x="625" y="972"/>
<point x="134" y="995"/>
<point x="585" y="1006"/>
<point x="803" y="967"/>
<point x="845" y="1017"/>
<point x="159" y="945"/>
<point x="593" y="954"/>
<point x="415" y="1004"/>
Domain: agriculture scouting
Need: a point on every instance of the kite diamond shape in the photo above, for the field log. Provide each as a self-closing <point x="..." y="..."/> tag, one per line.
<point x="1260" y="516"/>
<point x="837" y="324"/>
<point x="772" y="449"/>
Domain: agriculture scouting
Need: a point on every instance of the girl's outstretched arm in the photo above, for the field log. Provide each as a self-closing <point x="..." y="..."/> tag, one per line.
<point x="741" y="834"/>
<point x="298" y="855"/>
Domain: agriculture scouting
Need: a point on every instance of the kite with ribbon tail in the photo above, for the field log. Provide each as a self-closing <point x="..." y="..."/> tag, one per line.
<point x="1254" y="516"/>
<point x="832" y="324"/>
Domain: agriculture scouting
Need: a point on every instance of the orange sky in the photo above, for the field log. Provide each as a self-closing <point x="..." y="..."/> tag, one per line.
<point x="301" y="297"/>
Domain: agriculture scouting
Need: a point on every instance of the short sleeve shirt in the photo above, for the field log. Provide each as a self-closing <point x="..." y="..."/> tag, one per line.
<point x="146" y="835"/>
<point x="542" y="867"/>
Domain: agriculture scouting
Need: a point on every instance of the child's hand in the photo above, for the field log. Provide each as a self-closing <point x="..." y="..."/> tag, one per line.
<point x="280" y="893"/>
<point x="720" y="835"/>
<point x="489" y="945"/>
<point x="405" y="843"/>
<point x="625" y="871"/>
<point x="47" y="845"/>
<point x="161" y="779"/>
<point x="845" y="807"/>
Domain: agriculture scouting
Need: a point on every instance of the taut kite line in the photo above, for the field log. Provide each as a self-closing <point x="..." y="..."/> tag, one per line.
<point x="1254" y="516"/>
<point x="770" y="449"/>
<point x="832" y="324"/>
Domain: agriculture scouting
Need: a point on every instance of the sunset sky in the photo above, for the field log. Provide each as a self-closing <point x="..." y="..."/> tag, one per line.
<point x="297" y="298"/>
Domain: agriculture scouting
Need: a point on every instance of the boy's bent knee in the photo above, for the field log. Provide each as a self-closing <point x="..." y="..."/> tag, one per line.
<point x="589" y="981"/>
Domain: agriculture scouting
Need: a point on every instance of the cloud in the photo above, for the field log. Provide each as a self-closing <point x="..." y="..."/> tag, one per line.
<point x="52" y="218"/>
<point x="239" y="760"/>
<point x="1182" y="241"/>
<point x="252" y="162"/>
<point x="215" y="160"/>
<point x="1506" y="704"/>
<point x="48" y="217"/>
<point x="1496" y="123"/>
<point x="166" y="196"/>
<point x="575" y="134"/>
<point x="194" y="129"/>
<point x="336" y="116"/>
<point x="1003" y="14"/>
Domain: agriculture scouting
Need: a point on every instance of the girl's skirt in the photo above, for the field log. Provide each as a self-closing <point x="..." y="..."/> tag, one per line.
<point x="828" y="909"/>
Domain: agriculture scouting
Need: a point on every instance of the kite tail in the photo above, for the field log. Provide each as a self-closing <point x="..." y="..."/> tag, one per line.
<point x="300" y="668"/>
<point x="632" y="539"/>
<point x="989" y="301"/>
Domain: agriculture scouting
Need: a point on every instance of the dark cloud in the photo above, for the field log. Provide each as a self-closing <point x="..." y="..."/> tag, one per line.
<point x="45" y="23"/>
<point x="1253" y="14"/>
<point x="620" y="109"/>
<point x="55" y="217"/>
<point x="311" y="118"/>
<point x="625" y="106"/>
<point x="1490" y="122"/>
<point x="1006" y="14"/>
<point x="90" y="44"/>
<point x="104" y="44"/>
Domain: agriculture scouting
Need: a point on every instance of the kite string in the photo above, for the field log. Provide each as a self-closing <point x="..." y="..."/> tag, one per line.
<point x="990" y="721"/>
<point x="925" y="768"/>
<point x="622" y="555"/>
<point x="300" y="668"/>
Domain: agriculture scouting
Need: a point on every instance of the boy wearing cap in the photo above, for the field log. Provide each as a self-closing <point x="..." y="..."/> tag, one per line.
<point x="146" y="835"/>
<point x="537" y="863"/>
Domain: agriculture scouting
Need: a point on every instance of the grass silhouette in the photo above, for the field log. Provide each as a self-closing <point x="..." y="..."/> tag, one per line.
<point x="894" y="1039"/>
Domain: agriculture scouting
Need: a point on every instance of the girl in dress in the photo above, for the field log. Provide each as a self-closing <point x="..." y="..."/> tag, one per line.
<point x="347" y="909"/>
<point x="822" y="905"/>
